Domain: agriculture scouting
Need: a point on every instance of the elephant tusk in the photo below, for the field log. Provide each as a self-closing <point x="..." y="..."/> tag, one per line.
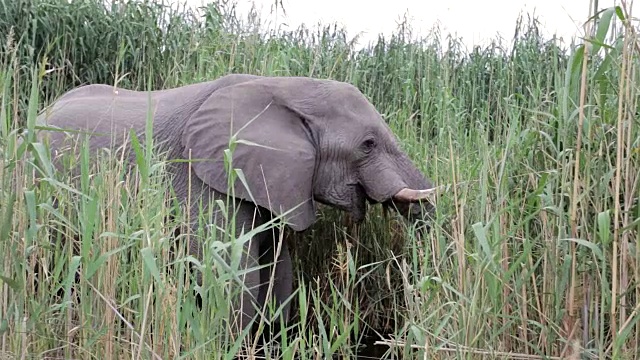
<point x="411" y="195"/>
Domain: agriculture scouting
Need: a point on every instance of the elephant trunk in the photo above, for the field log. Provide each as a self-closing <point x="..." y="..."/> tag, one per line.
<point x="416" y="200"/>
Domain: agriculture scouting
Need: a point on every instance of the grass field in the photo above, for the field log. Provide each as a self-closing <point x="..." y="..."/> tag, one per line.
<point x="534" y="249"/>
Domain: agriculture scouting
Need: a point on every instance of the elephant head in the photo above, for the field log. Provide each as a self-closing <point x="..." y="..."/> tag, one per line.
<point x="301" y="140"/>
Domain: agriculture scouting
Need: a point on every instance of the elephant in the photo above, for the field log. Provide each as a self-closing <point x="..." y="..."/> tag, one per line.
<point x="299" y="141"/>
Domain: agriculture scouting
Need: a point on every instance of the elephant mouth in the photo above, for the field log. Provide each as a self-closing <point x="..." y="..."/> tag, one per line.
<point x="407" y="201"/>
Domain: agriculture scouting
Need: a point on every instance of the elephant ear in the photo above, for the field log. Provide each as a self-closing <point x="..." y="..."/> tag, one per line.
<point x="272" y="148"/>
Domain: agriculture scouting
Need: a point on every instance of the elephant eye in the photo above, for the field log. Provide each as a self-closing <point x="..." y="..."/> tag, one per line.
<point x="368" y="145"/>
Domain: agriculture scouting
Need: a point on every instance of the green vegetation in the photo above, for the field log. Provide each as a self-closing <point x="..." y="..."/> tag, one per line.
<point x="534" y="249"/>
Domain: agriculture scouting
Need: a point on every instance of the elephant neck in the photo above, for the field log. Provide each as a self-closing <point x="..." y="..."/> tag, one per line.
<point x="168" y="137"/>
<point x="175" y="107"/>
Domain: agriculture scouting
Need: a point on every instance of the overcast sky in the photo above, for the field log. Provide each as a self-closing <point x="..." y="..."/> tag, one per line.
<point x="473" y="20"/>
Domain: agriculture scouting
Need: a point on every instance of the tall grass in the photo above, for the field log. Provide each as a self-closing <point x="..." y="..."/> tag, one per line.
<point x="534" y="249"/>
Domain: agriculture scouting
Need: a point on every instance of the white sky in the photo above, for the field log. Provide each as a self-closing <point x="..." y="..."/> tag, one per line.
<point x="473" y="20"/>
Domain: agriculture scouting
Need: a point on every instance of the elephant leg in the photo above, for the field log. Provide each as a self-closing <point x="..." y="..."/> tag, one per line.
<point x="248" y="217"/>
<point x="284" y="281"/>
<point x="242" y="302"/>
<point x="251" y="282"/>
<point x="282" y="277"/>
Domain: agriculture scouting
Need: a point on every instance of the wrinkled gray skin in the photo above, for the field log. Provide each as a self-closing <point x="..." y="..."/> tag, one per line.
<point x="330" y="145"/>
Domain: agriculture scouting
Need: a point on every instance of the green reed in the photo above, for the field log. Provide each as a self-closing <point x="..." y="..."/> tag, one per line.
<point x="533" y="249"/>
